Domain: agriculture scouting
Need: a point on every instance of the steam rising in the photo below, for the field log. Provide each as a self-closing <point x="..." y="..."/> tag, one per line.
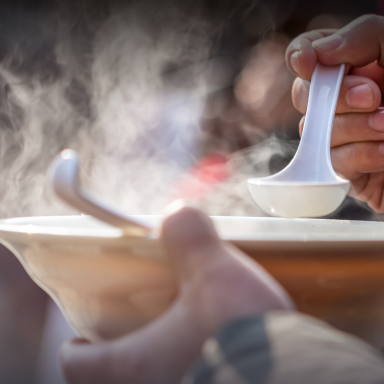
<point x="124" y="85"/>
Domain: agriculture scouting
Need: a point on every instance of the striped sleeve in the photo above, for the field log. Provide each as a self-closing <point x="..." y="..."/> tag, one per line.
<point x="285" y="348"/>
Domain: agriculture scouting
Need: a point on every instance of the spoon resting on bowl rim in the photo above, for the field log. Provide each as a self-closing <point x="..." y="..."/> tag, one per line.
<point x="63" y="177"/>
<point x="308" y="186"/>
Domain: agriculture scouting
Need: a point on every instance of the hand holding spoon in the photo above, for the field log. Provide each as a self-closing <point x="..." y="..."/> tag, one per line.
<point x="63" y="176"/>
<point x="308" y="186"/>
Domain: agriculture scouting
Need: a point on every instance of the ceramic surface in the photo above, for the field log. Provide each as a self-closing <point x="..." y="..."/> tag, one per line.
<point x="308" y="186"/>
<point x="108" y="284"/>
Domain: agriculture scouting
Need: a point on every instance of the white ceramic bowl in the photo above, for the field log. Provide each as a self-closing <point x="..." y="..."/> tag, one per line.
<point x="108" y="284"/>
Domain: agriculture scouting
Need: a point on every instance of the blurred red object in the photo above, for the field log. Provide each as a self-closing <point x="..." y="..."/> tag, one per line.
<point x="209" y="171"/>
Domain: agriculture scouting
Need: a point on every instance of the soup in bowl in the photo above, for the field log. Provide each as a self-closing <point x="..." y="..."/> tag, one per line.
<point x="108" y="283"/>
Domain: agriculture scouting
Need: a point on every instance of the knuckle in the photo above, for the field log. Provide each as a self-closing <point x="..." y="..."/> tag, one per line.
<point x="337" y="122"/>
<point x="353" y="154"/>
<point x="371" y="22"/>
<point x="370" y="19"/>
<point x="343" y="159"/>
<point x="368" y="22"/>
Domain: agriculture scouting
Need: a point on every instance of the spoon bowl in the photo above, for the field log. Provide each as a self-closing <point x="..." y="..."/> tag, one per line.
<point x="291" y="199"/>
<point x="308" y="186"/>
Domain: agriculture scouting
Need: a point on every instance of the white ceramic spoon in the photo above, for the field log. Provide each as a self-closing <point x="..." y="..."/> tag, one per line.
<point x="63" y="176"/>
<point x="308" y="186"/>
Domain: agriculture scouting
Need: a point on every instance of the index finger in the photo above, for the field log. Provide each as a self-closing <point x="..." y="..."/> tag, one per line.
<point x="300" y="55"/>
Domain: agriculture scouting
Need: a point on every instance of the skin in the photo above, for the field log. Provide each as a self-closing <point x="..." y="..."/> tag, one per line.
<point x="217" y="283"/>
<point x="358" y="132"/>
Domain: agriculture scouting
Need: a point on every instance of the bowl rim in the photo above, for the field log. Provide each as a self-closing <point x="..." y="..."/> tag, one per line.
<point x="106" y="232"/>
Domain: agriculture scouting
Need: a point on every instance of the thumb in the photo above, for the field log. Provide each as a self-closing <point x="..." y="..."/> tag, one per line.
<point x="359" y="43"/>
<point x="203" y="260"/>
<point x="191" y="242"/>
<point x="154" y="353"/>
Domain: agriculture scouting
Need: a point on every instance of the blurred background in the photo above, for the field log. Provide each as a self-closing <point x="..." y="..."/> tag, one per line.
<point x="163" y="101"/>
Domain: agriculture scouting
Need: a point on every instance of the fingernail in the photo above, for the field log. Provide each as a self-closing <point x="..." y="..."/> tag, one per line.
<point x="187" y="230"/>
<point x="295" y="62"/>
<point x="359" y="97"/>
<point x="328" y="43"/>
<point x="376" y="120"/>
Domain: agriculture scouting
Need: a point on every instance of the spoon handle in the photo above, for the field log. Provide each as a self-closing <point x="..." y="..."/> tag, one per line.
<point x="314" y="148"/>
<point x="63" y="176"/>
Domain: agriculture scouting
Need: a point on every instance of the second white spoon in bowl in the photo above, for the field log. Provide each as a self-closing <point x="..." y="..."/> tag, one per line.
<point x="63" y="177"/>
<point x="308" y="186"/>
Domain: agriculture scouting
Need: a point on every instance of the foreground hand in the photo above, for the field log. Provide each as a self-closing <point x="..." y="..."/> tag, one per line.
<point x="358" y="131"/>
<point x="217" y="283"/>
